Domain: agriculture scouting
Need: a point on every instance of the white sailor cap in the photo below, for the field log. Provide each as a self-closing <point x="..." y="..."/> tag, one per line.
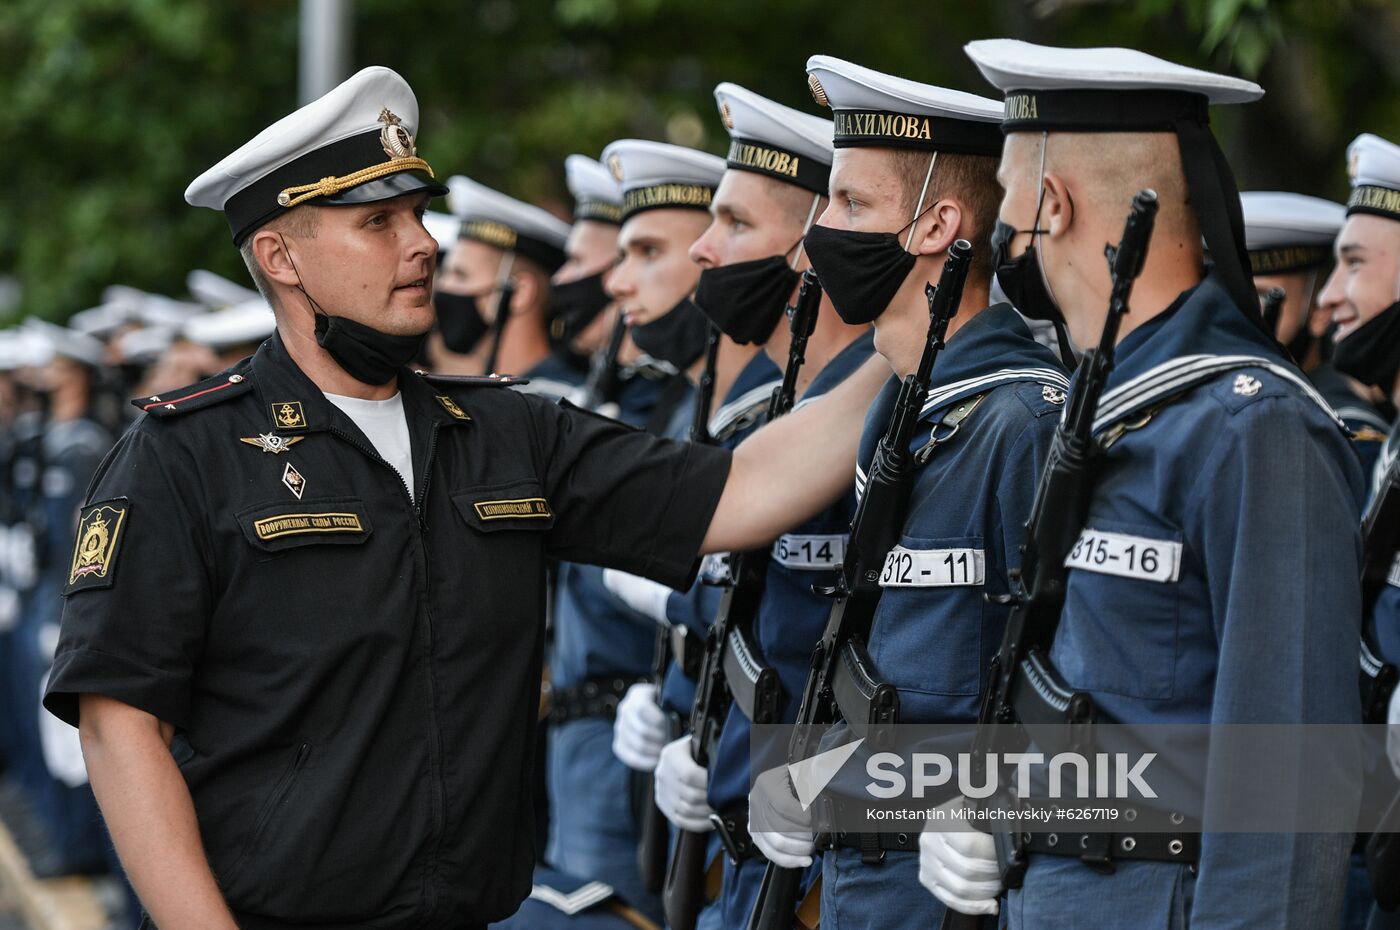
<point x="103" y="320"/>
<point x="1123" y="90"/>
<point x="657" y="175"/>
<point x="596" y="193"/>
<point x="354" y="145"/>
<point x="62" y="341"/>
<point x="493" y="218"/>
<point x="1374" y="166"/>
<point x="773" y="140"/>
<point x="215" y="291"/>
<point x="1289" y="232"/>
<point x="443" y="227"/>
<point x="1100" y="89"/>
<point x="151" y="309"/>
<point x="143" y="346"/>
<point x="873" y="109"/>
<point x="242" y="324"/>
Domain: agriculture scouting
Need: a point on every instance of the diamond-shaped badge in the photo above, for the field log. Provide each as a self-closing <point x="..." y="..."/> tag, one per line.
<point x="293" y="480"/>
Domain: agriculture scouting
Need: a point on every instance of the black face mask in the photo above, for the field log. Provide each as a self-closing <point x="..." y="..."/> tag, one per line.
<point x="678" y="337"/>
<point x="860" y="271"/>
<point x="460" y="321"/>
<point x="364" y="352"/>
<point x="1371" y="352"/>
<point x="1020" y="278"/>
<point x="577" y="304"/>
<point x="747" y="299"/>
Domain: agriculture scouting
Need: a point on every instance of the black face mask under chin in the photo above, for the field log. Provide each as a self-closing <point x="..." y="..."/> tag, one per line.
<point x="1020" y="277"/>
<point x="460" y="321"/>
<point x="747" y="299"/>
<point x="365" y="353"/>
<point x="576" y="304"/>
<point x="1371" y="352"/>
<point x="860" y="271"/>
<point x="678" y="337"/>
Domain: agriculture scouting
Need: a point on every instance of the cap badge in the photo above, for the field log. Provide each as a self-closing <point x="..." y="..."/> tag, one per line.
<point x="615" y="166"/>
<point x="819" y="95"/>
<point x="725" y="116"/>
<point x="397" y="141"/>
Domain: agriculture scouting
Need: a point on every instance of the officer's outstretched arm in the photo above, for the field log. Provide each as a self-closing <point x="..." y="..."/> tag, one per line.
<point x="149" y="813"/>
<point x="796" y="467"/>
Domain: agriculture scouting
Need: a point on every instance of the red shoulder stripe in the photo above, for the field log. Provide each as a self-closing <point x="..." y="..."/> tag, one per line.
<point x="181" y="400"/>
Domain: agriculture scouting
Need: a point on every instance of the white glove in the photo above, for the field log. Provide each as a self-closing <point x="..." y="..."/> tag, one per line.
<point x="643" y="595"/>
<point x="1392" y="732"/>
<point x="680" y="788"/>
<point x="960" y="867"/>
<point x="640" y="729"/>
<point x="778" y="824"/>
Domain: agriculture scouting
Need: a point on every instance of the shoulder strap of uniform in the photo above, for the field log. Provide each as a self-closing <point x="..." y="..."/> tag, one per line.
<point x="223" y="386"/>
<point x="1176" y="376"/>
<point x="472" y="380"/>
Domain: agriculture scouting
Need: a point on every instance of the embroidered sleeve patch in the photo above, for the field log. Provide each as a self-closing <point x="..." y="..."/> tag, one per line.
<point x="98" y="541"/>
<point x="527" y="507"/>
<point x="300" y="524"/>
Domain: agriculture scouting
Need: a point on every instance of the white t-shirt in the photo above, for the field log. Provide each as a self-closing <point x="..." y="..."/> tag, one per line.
<point x="383" y="423"/>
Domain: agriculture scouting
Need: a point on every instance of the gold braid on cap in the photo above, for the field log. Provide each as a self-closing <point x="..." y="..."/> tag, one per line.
<point x="334" y="185"/>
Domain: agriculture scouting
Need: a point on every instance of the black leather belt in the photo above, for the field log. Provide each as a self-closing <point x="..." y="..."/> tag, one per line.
<point x="872" y="846"/>
<point x="755" y="686"/>
<point x="596" y="697"/>
<point x="732" y="828"/>
<point x="1099" y="850"/>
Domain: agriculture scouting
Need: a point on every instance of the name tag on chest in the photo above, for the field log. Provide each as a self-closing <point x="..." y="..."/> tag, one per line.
<point x="810" y="552"/>
<point x="933" y="568"/>
<point x="1126" y="556"/>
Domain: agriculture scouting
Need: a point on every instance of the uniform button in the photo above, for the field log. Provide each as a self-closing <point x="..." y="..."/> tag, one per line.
<point x="235" y="379"/>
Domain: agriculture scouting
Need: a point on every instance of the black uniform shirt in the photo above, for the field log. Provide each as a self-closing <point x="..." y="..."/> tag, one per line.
<point x="354" y="676"/>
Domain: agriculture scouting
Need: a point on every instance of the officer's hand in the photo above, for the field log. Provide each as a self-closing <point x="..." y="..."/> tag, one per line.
<point x="680" y="788"/>
<point x="778" y="824"/>
<point x="960" y="868"/>
<point x="640" y="729"/>
<point x="643" y="595"/>
<point x="1392" y="733"/>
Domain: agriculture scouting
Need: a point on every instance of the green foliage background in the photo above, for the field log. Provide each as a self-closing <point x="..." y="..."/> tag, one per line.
<point x="115" y="105"/>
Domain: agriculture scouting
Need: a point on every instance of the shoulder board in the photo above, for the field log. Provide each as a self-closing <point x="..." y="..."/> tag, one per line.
<point x="473" y="380"/>
<point x="223" y="386"/>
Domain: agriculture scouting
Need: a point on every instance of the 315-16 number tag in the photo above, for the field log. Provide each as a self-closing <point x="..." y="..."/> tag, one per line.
<point x="1126" y="556"/>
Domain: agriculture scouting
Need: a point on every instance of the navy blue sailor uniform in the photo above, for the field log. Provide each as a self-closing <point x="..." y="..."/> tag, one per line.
<point x="1232" y="471"/>
<point x="996" y="397"/>
<point x="691" y="610"/>
<point x="351" y="672"/>
<point x="789" y="621"/>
